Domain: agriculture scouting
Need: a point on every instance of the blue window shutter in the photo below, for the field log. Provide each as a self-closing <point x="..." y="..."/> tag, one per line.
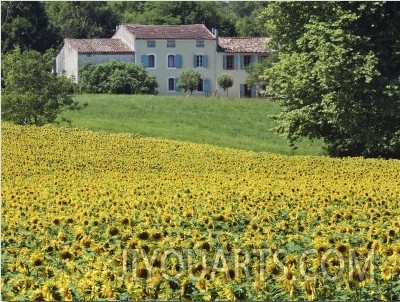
<point x="206" y="85"/>
<point x="205" y="61"/>
<point x="178" y="61"/>
<point x="242" y="90"/>
<point x="176" y="84"/>
<point x="225" y="62"/>
<point x="194" y="60"/>
<point x="235" y="62"/>
<point x="253" y="91"/>
<point x="252" y="59"/>
<point x="144" y="60"/>
<point x="241" y="61"/>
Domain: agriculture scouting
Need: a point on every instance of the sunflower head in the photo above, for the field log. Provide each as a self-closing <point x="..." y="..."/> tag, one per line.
<point x="37" y="258"/>
<point x="342" y="247"/>
<point x="144" y="235"/>
<point x="386" y="273"/>
<point x="66" y="255"/>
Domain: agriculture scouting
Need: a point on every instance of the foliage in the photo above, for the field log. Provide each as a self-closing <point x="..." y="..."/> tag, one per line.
<point x="116" y="77"/>
<point x="82" y="19"/>
<point x="247" y="19"/>
<point x="211" y="14"/>
<point x="338" y="72"/>
<point x="25" y="24"/>
<point x="32" y="94"/>
<point x="225" y="81"/>
<point x="189" y="80"/>
<point x="255" y="74"/>
<point x="76" y="204"/>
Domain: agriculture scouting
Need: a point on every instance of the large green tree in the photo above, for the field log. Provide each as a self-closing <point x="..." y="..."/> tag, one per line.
<point x="82" y="19"/>
<point x="31" y="93"/>
<point x="338" y="73"/>
<point x="25" y="24"/>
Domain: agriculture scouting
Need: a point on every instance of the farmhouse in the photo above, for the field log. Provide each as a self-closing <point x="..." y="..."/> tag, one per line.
<point x="166" y="50"/>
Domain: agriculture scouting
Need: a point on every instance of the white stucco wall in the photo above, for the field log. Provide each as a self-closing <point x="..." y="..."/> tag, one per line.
<point x="67" y="62"/>
<point x="126" y="36"/>
<point x="187" y="49"/>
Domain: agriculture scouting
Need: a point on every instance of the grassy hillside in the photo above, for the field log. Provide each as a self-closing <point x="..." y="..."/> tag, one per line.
<point x="237" y="123"/>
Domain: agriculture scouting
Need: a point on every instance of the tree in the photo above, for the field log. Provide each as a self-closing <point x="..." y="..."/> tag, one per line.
<point x="211" y="14"/>
<point x="25" y="24"/>
<point x="32" y="94"/>
<point x="338" y="71"/>
<point x="116" y="77"/>
<point x="225" y="81"/>
<point x="82" y="19"/>
<point x="189" y="80"/>
<point x="246" y="17"/>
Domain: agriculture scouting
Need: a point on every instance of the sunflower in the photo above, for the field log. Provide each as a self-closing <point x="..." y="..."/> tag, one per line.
<point x="202" y="284"/>
<point x="37" y="258"/>
<point x="309" y="290"/>
<point x="377" y="246"/>
<point x="288" y="280"/>
<point x="65" y="293"/>
<point x="386" y="272"/>
<point x="389" y="251"/>
<point x="294" y="215"/>
<point x="65" y="254"/>
<point x="107" y="291"/>
<point x="343" y="248"/>
<point x="37" y="295"/>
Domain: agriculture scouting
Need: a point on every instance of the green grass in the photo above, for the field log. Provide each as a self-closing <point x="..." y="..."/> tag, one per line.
<point x="237" y="123"/>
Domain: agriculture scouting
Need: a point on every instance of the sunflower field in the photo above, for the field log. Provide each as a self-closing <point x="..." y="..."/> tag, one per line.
<point x="95" y="216"/>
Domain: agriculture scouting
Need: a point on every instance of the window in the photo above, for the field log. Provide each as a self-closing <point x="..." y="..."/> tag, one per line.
<point x="151" y="61"/>
<point x="171" y="61"/>
<point x="173" y="84"/>
<point x="200" y="61"/>
<point x="229" y="62"/>
<point x="200" y="87"/>
<point x="151" y="43"/>
<point x="246" y="60"/>
<point x="200" y="43"/>
<point x="204" y="86"/>
<point x="248" y="91"/>
<point x="174" y="61"/>
<point x="171" y="43"/>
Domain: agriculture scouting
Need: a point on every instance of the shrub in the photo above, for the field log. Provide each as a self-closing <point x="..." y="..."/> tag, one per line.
<point x="225" y="81"/>
<point x="189" y="80"/>
<point x="116" y="78"/>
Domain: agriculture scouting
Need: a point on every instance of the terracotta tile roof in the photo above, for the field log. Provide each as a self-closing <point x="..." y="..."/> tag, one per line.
<point x="99" y="45"/>
<point x="194" y="31"/>
<point x="243" y="45"/>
